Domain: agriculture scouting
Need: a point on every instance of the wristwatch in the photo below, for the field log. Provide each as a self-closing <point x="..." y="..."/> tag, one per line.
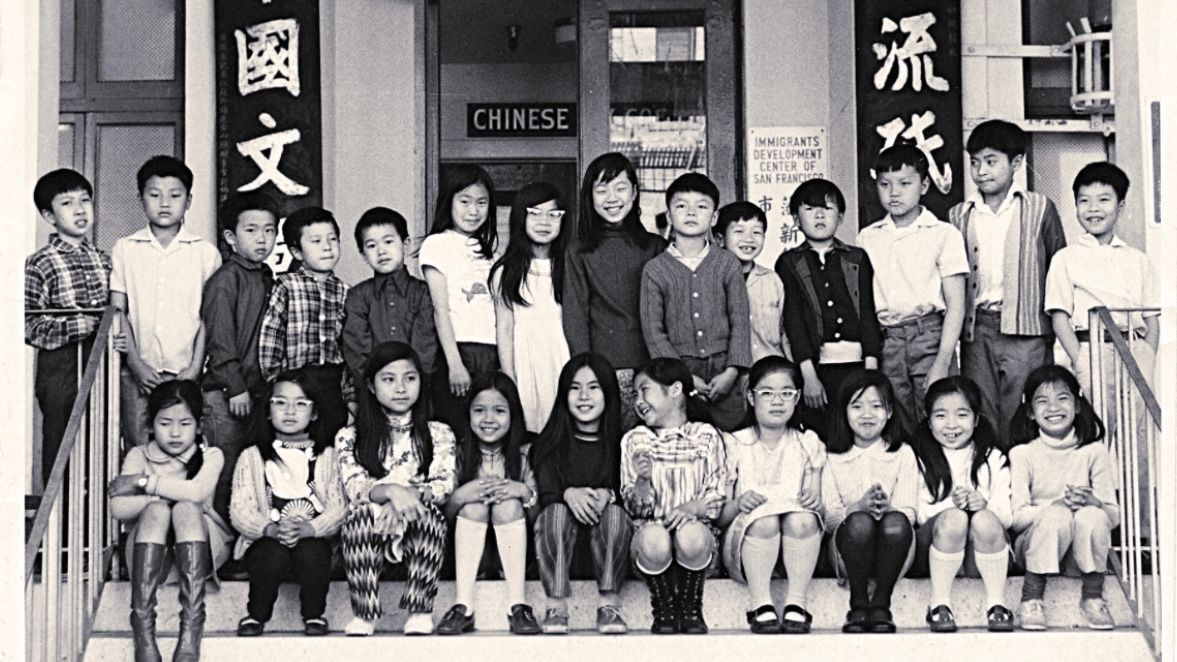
<point x="141" y="483"/>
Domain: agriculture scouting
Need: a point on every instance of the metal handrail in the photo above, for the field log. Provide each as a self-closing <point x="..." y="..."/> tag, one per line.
<point x="89" y="451"/>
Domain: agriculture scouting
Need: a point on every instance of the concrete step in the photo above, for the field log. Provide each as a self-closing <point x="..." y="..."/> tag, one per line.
<point x="965" y="646"/>
<point x="725" y="602"/>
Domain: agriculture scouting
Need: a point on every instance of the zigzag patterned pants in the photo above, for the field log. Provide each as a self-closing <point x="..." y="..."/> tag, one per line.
<point x="364" y="553"/>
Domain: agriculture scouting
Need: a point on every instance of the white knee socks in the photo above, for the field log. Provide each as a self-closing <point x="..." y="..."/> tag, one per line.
<point x="943" y="566"/>
<point x="758" y="556"/>
<point x="993" y="568"/>
<point x="469" y="541"/>
<point x="800" y="556"/>
<point x="512" y="541"/>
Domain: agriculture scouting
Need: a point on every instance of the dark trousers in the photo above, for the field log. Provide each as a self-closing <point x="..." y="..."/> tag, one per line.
<point x="269" y="562"/>
<point x="225" y="431"/>
<point x="328" y="379"/>
<point x="479" y="359"/>
<point x="831" y="376"/>
<point x="999" y="364"/>
<point x="55" y="384"/>
<point x="728" y="412"/>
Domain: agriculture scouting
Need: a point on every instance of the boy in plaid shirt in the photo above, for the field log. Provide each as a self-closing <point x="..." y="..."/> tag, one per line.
<point x="303" y="322"/>
<point x="68" y="272"/>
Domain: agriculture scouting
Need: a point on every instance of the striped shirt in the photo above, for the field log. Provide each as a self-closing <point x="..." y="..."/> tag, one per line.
<point x="302" y="324"/>
<point x="849" y="475"/>
<point x="689" y="463"/>
<point x="61" y="275"/>
<point x="400" y="462"/>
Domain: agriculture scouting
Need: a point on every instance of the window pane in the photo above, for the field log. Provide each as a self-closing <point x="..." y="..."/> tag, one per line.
<point x="68" y="25"/>
<point x="65" y="147"/>
<point x="121" y="150"/>
<point x="657" y="89"/>
<point x="137" y="40"/>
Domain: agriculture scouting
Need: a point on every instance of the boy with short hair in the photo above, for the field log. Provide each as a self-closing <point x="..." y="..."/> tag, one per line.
<point x="920" y="268"/>
<point x="740" y="230"/>
<point x="1010" y="238"/>
<point x="235" y="298"/>
<point x="694" y="304"/>
<point x="1099" y="269"/>
<point x="304" y="319"/>
<point x="67" y="273"/>
<point x="390" y="306"/>
<point x="829" y="302"/>
<point x="157" y="283"/>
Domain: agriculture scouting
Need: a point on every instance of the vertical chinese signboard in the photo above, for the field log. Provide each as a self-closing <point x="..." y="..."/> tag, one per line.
<point x="907" y="83"/>
<point x="269" y="135"/>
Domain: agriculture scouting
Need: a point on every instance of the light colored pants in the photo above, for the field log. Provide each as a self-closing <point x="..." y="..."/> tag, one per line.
<point x="1084" y="535"/>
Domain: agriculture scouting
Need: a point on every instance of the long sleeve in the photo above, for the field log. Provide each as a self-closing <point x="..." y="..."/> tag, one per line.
<point x="248" y="509"/>
<point x="423" y="333"/>
<point x="834" y="508"/>
<point x="49" y="331"/>
<point x="928" y="507"/>
<point x="356" y="340"/>
<point x="739" y="350"/>
<point x="1054" y="239"/>
<point x="576" y="300"/>
<point x="528" y="479"/>
<point x="1021" y="475"/>
<point x="653" y="315"/>
<point x="547" y="480"/>
<point x="999" y="489"/>
<point x="217" y="312"/>
<point x="637" y="506"/>
<point x="715" y="474"/>
<point x="330" y="493"/>
<point x="357" y="483"/>
<point x="1103" y="481"/>
<point x="796" y="313"/>
<point x="271" y="354"/>
<point x="905" y="496"/>
<point x="870" y="335"/>
<point x="443" y="472"/>
<point x="129" y="507"/>
<point x="197" y="489"/>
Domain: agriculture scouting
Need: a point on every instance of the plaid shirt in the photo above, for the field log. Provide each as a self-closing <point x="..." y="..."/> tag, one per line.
<point x="689" y="462"/>
<point x="302" y="324"/>
<point x="61" y="275"/>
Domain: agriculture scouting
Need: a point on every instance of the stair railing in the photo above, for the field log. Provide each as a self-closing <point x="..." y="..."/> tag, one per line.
<point x="1122" y="395"/>
<point x="60" y="606"/>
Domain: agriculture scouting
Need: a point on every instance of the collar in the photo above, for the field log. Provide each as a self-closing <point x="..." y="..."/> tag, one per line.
<point x="1015" y="190"/>
<point x="156" y="455"/>
<point x="398" y="280"/>
<point x="876" y="451"/>
<point x="60" y="244"/>
<point x="675" y="253"/>
<point x="1065" y="443"/>
<point x="304" y="445"/>
<point x="1088" y="239"/>
<point x="303" y="272"/>
<point x="183" y="236"/>
<point x="759" y="271"/>
<point x="492" y="453"/>
<point x="837" y="245"/>
<point x="400" y="423"/>
<point x="236" y="258"/>
<point x="926" y="219"/>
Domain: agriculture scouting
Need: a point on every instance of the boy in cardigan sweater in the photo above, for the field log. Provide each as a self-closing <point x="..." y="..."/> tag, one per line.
<point x="694" y="303"/>
<point x="1010" y="237"/>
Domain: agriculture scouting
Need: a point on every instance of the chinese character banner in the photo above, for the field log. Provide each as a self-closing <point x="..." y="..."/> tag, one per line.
<point x="907" y="84"/>
<point x="269" y="131"/>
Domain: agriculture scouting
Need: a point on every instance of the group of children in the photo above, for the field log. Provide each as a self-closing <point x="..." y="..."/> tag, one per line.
<point x="397" y="413"/>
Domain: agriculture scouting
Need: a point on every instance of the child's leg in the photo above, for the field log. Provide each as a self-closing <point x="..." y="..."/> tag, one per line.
<point x="758" y="555"/>
<point x="469" y="541"/>
<point x="694" y="545"/>
<point x="194" y="561"/>
<point x="1016" y="357"/>
<point x="312" y="566"/>
<point x="267" y="560"/>
<point x="1042" y="547"/>
<point x="363" y="558"/>
<point x="56" y="387"/>
<point x="991" y="554"/>
<point x="653" y="553"/>
<point x="949" y="531"/>
<point x="1090" y="547"/>
<point x="132" y="411"/>
<point x="855" y="540"/>
<point x="979" y="362"/>
<point x="555" y="535"/>
<point x="895" y="364"/>
<point x="225" y="431"/>
<point x="800" y="547"/>
<point x="147" y="566"/>
<point x="891" y="551"/>
<point x="610" y="540"/>
<point x="328" y="377"/>
<point x="424" y="551"/>
<point x="511" y="536"/>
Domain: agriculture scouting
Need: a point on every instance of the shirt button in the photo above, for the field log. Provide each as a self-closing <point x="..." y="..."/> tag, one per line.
<point x="837" y="336"/>
<point x="826" y="284"/>
<point x="839" y="320"/>
<point x="696" y="315"/>
<point x="830" y="303"/>
<point x="695" y="294"/>
<point x="699" y="333"/>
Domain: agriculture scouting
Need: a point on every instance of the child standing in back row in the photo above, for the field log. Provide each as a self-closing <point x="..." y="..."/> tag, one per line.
<point x="920" y="269"/>
<point x="740" y="230"/>
<point x="1010" y="236"/>
<point x="694" y="302"/>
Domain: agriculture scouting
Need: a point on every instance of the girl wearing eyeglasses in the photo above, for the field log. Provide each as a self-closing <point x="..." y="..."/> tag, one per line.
<point x="527" y="283"/>
<point x="287" y="503"/>
<point x="773" y="498"/>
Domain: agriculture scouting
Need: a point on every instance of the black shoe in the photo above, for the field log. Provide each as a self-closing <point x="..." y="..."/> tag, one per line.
<point x="789" y="626"/>
<point x="880" y="621"/>
<point x="690" y="601"/>
<point x="522" y="620"/>
<point x="1000" y="619"/>
<point x="856" y="621"/>
<point x="315" y="627"/>
<point x="940" y="619"/>
<point x="457" y="620"/>
<point x="233" y="570"/>
<point x="250" y="627"/>
<point x="662" y="602"/>
<point x="766" y="625"/>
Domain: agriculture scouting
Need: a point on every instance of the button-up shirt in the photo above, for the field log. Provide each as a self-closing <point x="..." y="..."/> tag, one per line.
<point x="992" y="227"/>
<point x="303" y="323"/>
<point x="62" y="275"/>
<point x="385" y="308"/>
<point x="1088" y="274"/>
<point x="235" y="298"/>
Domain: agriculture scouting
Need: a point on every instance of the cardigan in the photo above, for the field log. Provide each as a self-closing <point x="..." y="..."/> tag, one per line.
<point x="803" y="319"/>
<point x="1029" y="246"/>
<point x="696" y="313"/>
<point x="249" y="506"/>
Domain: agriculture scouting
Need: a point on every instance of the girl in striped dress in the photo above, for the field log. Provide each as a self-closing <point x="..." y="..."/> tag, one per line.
<point x="673" y="471"/>
<point x="397" y="469"/>
<point x="869" y="494"/>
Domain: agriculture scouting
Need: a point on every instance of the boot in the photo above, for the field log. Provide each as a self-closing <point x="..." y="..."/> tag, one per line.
<point x="662" y="602"/>
<point x="194" y="561"/>
<point x="146" y="574"/>
<point x="690" y="601"/>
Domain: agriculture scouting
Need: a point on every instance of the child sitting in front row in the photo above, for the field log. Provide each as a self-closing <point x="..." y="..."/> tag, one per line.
<point x="1063" y="494"/>
<point x="829" y="314"/>
<point x="695" y="304"/>
<point x="964" y="507"/>
<point x="869" y="496"/>
<point x="287" y="504"/>
<point x="673" y="472"/>
<point x="773" y="506"/>
<point x="740" y="230"/>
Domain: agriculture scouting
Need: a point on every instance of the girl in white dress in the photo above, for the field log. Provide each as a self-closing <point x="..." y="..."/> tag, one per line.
<point x="527" y="283"/>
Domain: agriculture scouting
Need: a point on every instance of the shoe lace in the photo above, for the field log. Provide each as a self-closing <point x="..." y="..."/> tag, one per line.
<point x="610" y="611"/>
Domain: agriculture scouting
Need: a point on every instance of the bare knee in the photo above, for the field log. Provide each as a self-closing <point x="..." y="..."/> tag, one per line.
<point x="799" y="525"/>
<point x="986" y="531"/>
<point x="476" y="512"/>
<point x="154" y="521"/>
<point x="692" y="545"/>
<point x="950" y="529"/>
<point x="507" y="511"/>
<point x="765" y="527"/>
<point x="652" y="545"/>
<point x="188" y="521"/>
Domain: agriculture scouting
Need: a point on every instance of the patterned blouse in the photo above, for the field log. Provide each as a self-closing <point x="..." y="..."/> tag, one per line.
<point x="400" y="461"/>
<point x="689" y="463"/>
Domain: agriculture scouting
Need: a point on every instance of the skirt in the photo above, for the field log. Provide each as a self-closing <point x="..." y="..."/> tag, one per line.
<point x="733" y="538"/>
<point x="219" y="537"/>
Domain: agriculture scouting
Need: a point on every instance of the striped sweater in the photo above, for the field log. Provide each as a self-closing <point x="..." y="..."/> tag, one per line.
<point x="1029" y="246"/>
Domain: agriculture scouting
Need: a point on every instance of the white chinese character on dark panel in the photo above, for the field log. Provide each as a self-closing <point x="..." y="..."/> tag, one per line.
<point x="266" y="152"/>
<point x="267" y="57"/>
<point x="913" y="55"/>
<point x="897" y="128"/>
